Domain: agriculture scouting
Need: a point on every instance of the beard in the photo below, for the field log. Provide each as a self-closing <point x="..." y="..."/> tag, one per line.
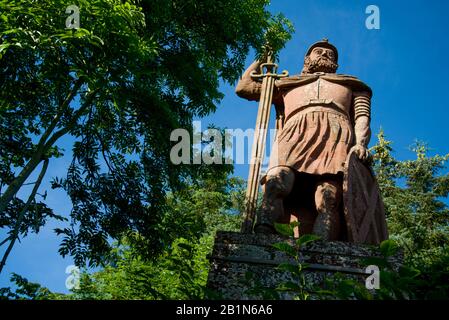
<point x="319" y="65"/>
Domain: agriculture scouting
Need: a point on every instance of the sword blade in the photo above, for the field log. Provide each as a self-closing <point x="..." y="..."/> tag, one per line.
<point x="257" y="153"/>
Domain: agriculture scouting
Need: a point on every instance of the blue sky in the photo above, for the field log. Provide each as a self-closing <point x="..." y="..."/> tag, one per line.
<point x="404" y="62"/>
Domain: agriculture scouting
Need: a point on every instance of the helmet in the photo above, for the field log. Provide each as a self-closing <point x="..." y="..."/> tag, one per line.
<point x="325" y="44"/>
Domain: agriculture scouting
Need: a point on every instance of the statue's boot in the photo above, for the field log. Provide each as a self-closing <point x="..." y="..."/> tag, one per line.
<point x="268" y="214"/>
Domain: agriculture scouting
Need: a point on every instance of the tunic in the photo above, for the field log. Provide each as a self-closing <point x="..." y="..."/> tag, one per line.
<point x="318" y="128"/>
<point x="316" y="140"/>
<point x="318" y="133"/>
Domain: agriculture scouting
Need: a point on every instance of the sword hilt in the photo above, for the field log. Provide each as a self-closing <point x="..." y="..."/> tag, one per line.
<point x="271" y="69"/>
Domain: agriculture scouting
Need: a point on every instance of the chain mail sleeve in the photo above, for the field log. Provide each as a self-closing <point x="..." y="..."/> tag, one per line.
<point x="362" y="117"/>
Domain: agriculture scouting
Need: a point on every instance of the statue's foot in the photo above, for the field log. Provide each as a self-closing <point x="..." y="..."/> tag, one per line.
<point x="264" y="228"/>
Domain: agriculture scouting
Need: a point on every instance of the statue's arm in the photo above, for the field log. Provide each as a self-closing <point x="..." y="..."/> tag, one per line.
<point x="247" y="87"/>
<point x="362" y="117"/>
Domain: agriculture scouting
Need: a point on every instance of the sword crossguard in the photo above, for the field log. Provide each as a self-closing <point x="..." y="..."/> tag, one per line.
<point x="271" y="69"/>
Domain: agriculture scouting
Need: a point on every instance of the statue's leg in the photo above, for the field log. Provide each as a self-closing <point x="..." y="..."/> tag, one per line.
<point x="304" y="199"/>
<point x="328" y="196"/>
<point x="278" y="184"/>
<point x="306" y="221"/>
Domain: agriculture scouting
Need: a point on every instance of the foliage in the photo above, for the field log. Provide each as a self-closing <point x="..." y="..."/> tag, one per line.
<point x="118" y="86"/>
<point x="297" y="286"/>
<point x="27" y="290"/>
<point x="413" y="193"/>
<point x="395" y="283"/>
<point x="181" y="271"/>
<point x="277" y="34"/>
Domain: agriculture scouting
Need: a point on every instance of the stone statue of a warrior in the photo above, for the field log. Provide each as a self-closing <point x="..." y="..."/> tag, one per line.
<point x="319" y="169"/>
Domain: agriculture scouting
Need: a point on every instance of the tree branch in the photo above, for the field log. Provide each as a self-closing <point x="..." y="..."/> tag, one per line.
<point x="17" y="183"/>
<point x="75" y="118"/>
<point x="37" y="157"/>
<point x="4" y="241"/>
<point x="61" y="110"/>
<point x="14" y="236"/>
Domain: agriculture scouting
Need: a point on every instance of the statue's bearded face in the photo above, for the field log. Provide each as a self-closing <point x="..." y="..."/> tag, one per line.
<point x="320" y="60"/>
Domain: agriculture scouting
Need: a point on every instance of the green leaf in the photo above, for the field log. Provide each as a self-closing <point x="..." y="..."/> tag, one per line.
<point x="389" y="248"/>
<point x="249" y="276"/>
<point x="286" y="248"/>
<point x="306" y="239"/>
<point x="289" y="268"/>
<point x="409" y="272"/>
<point x="284" y="229"/>
<point x="80" y="32"/>
<point x="185" y="246"/>
<point x="289" y="286"/>
<point x="294" y="224"/>
<point x="4" y="47"/>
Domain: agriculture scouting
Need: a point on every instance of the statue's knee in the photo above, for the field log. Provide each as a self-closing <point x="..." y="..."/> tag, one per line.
<point x="279" y="181"/>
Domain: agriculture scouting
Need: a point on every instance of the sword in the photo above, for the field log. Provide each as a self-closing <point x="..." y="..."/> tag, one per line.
<point x="268" y="75"/>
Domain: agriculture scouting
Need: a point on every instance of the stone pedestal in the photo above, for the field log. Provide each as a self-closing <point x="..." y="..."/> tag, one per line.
<point x="241" y="263"/>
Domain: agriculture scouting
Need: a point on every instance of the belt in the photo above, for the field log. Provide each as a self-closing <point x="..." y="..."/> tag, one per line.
<point x="319" y="105"/>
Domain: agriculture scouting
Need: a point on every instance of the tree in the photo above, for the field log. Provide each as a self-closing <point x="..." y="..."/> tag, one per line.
<point x="27" y="290"/>
<point x="180" y="272"/>
<point x="413" y="193"/>
<point x="118" y="85"/>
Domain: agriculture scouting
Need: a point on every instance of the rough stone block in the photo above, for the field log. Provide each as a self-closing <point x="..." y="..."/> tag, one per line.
<point x="241" y="262"/>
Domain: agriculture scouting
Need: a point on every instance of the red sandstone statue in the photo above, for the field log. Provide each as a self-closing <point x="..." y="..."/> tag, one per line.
<point x="319" y="172"/>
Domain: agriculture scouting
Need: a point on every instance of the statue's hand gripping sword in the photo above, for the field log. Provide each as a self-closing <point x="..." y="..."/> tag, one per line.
<point x="268" y="75"/>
